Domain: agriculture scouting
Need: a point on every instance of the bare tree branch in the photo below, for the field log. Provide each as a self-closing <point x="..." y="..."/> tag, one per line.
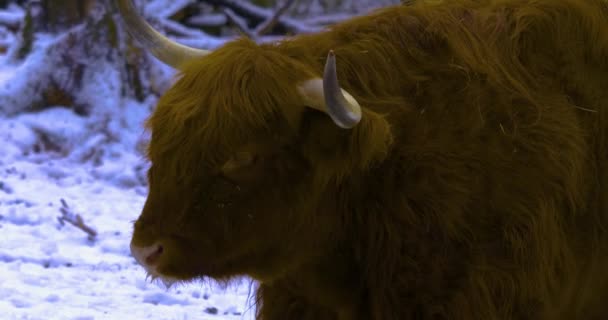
<point x="166" y="9"/>
<point x="238" y="22"/>
<point x="267" y="25"/>
<point x="180" y="30"/>
<point x="259" y="15"/>
<point x="207" y="20"/>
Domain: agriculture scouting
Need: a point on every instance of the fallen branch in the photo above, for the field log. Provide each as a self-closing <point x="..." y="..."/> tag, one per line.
<point x="259" y="15"/>
<point x="180" y="30"/>
<point x="67" y="215"/>
<point x="239" y="23"/>
<point x="267" y="25"/>
<point x="207" y="20"/>
<point x="166" y="9"/>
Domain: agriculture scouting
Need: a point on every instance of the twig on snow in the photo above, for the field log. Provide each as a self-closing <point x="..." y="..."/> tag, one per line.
<point x="67" y="215"/>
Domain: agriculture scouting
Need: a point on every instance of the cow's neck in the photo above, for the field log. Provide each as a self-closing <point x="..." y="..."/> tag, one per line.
<point x="332" y="281"/>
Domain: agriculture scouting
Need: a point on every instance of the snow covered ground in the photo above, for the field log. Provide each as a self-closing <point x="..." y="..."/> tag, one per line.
<point x="53" y="271"/>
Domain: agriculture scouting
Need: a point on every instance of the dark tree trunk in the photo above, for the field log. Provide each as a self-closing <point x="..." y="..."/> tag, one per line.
<point x="57" y="15"/>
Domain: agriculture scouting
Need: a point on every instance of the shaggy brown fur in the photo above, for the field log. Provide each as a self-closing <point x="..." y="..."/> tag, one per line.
<point x="475" y="186"/>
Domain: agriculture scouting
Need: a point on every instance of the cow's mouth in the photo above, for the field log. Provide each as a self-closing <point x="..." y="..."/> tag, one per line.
<point x="179" y="259"/>
<point x="168" y="281"/>
<point x="176" y="270"/>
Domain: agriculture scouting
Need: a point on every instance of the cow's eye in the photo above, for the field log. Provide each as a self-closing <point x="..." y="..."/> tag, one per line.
<point x="239" y="160"/>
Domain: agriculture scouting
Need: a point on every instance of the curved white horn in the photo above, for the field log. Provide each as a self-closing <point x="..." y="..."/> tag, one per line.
<point x="163" y="48"/>
<point x="327" y="96"/>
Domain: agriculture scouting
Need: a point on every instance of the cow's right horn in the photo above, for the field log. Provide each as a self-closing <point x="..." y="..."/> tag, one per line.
<point x="326" y="95"/>
<point x="163" y="48"/>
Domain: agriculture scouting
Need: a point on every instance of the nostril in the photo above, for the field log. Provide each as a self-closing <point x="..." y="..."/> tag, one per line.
<point x="153" y="257"/>
<point x="147" y="255"/>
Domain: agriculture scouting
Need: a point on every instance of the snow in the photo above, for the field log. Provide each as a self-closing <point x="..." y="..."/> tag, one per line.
<point x="165" y="9"/>
<point x="21" y="90"/>
<point x="6" y="73"/>
<point x="208" y="20"/>
<point x="12" y="16"/>
<point x="54" y="271"/>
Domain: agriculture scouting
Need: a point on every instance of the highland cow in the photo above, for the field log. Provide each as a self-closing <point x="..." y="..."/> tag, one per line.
<point x="458" y="169"/>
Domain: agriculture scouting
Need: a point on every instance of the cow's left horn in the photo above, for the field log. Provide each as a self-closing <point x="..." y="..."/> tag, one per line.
<point x="327" y="96"/>
<point x="163" y="48"/>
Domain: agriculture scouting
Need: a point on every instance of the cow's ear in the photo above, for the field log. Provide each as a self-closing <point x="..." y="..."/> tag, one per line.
<point x="371" y="139"/>
<point x="345" y="150"/>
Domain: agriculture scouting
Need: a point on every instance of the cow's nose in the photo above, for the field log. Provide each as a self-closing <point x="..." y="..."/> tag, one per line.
<point x="147" y="256"/>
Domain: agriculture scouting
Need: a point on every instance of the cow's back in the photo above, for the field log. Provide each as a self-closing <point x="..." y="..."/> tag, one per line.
<point x="500" y="114"/>
<point x="515" y="91"/>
